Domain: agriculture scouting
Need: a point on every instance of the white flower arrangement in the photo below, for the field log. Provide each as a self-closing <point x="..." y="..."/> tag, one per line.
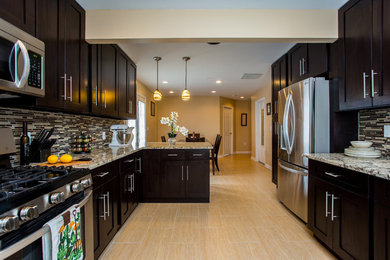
<point x="172" y="123"/>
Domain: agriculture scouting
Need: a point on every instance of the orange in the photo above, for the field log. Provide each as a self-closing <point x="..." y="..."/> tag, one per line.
<point x="52" y="159"/>
<point x="66" y="158"/>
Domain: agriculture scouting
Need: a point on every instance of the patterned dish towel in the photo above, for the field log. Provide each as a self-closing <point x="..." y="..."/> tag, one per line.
<point x="65" y="236"/>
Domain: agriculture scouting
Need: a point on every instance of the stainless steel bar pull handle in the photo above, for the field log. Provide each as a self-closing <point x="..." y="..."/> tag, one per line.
<point x="104" y="206"/>
<point x="97" y="95"/>
<point x="300" y="67"/>
<point x="101" y="175"/>
<point x="197" y="154"/>
<point x="327" y="195"/>
<point x="373" y="73"/>
<point x="129" y="161"/>
<point x="70" y="88"/>
<point x="364" y="85"/>
<point x="132" y="184"/>
<point x="303" y="66"/>
<point x="172" y="155"/>
<point x="105" y="98"/>
<point x="108" y="203"/>
<point x="332" y="175"/>
<point x="332" y="213"/>
<point x="65" y="80"/>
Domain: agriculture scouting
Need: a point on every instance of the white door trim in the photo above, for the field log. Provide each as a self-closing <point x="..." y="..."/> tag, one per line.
<point x="260" y="153"/>
<point x="231" y="127"/>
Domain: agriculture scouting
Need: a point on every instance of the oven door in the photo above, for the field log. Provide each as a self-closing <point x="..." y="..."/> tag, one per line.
<point x="30" y="247"/>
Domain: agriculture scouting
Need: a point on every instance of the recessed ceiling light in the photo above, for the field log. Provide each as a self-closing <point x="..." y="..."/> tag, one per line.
<point x="165" y="82"/>
<point x="171" y="92"/>
<point x="242" y="97"/>
<point x="213" y="91"/>
<point x="218" y="81"/>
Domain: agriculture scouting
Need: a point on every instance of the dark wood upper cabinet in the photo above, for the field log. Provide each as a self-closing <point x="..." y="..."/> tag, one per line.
<point x="297" y="63"/>
<point x="381" y="52"/>
<point x="61" y="26"/>
<point x="47" y="31"/>
<point x="20" y="13"/>
<point x="355" y="36"/>
<point x="364" y="34"/>
<point x="95" y="78"/>
<point x="126" y="86"/>
<point x="307" y="60"/>
<point x="109" y="79"/>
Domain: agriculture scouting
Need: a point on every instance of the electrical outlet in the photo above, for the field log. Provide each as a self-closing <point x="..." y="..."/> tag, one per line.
<point x="104" y="136"/>
<point x="386" y="131"/>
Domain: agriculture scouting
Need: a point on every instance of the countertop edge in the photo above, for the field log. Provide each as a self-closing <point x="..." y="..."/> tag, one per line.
<point x="375" y="167"/>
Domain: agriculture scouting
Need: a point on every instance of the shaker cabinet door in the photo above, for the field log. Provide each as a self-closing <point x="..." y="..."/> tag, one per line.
<point x="355" y="36"/>
<point x="20" y="13"/>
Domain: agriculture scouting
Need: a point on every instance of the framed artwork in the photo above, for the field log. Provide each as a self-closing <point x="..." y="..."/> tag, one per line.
<point x="244" y="119"/>
<point x="268" y="109"/>
<point x="152" y="108"/>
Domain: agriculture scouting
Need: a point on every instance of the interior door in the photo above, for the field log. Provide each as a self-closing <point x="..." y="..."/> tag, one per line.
<point x="227" y="130"/>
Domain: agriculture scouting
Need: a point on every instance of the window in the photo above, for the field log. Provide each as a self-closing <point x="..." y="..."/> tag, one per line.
<point x="139" y="124"/>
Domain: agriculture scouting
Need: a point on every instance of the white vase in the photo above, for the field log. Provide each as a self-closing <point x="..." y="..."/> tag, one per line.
<point x="172" y="141"/>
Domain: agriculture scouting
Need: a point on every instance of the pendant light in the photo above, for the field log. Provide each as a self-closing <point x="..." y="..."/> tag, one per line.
<point x="157" y="95"/>
<point x="185" y="95"/>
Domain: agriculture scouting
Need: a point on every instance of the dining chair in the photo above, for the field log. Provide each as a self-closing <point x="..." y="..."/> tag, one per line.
<point x="214" y="152"/>
<point x="163" y="139"/>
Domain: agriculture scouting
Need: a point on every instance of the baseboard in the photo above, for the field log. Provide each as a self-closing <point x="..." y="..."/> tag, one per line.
<point x="242" y="152"/>
<point x="253" y="159"/>
<point x="269" y="167"/>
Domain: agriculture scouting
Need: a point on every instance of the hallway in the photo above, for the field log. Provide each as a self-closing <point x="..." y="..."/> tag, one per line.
<point x="244" y="220"/>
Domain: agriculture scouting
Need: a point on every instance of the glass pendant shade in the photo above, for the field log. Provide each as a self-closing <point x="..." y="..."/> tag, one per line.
<point x="185" y="95"/>
<point x="157" y="95"/>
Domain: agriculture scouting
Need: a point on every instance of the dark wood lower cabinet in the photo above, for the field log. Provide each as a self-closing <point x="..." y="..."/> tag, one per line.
<point x="198" y="179"/>
<point x="176" y="176"/>
<point x="339" y="210"/>
<point x="105" y="211"/>
<point x="128" y="188"/>
<point x="381" y="231"/>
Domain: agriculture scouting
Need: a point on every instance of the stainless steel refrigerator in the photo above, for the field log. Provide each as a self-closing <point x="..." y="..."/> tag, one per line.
<point x="303" y="118"/>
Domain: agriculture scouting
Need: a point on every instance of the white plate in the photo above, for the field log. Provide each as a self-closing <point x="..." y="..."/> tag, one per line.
<point x="361" y="149"/>
<point x="362" y="156"/>
<point x="372" y="152"/>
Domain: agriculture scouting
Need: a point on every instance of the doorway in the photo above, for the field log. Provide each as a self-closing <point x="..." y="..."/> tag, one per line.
<point x="227" y="131"/>
<point x="260" y="130"/>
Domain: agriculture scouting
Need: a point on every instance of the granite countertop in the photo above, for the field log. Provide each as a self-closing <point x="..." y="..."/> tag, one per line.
<point x="108" y="154"/>
<point x="376" y="167"/>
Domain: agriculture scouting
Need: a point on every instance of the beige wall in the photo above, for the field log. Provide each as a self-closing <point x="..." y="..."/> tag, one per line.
<point x="242" y="133"/>
<point x="151" y="121"/>
<point x="200" y="114"/>
<point x="265" y="91"/>
<point x="267" y="25"/>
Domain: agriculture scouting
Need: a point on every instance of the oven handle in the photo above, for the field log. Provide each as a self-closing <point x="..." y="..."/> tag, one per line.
<point x="9" y="251"/>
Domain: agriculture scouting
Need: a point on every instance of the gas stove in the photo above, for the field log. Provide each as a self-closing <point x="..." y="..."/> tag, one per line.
<point x="26" y="192"/>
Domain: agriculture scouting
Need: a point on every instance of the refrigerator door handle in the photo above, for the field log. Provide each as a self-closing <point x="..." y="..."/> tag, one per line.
<point x="302" y="172"/>
<point x="289" y="110"/>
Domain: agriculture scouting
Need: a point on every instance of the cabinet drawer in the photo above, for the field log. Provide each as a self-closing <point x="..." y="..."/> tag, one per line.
<point x="198" y="155"/>
<point x="173" y="155"/>
<point x="127" y="163"/>
<point x="382" y="191"/>
<point x="103" y="174"/>
<point x="350" y="180"/>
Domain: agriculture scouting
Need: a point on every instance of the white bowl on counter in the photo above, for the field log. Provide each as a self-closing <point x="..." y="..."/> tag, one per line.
<point x="361" y="144"/>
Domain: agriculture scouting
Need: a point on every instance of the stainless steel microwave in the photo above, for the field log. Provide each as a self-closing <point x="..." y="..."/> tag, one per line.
<point x="22" y="61"/>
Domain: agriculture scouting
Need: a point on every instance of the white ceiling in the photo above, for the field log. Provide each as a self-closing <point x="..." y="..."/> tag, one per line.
<point x="212" y="4"/>
<point x="226" y="62"/>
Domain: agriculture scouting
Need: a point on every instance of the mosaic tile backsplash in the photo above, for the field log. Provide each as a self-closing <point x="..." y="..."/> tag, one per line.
<point x="66" y="126"/>
<point x="371" y="124"/>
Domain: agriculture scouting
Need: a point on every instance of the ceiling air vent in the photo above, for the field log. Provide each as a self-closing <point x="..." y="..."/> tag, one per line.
<point x="251" y="75"/>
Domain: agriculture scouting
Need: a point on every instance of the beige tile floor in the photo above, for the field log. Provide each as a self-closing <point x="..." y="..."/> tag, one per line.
<point x="244" y="220"/>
